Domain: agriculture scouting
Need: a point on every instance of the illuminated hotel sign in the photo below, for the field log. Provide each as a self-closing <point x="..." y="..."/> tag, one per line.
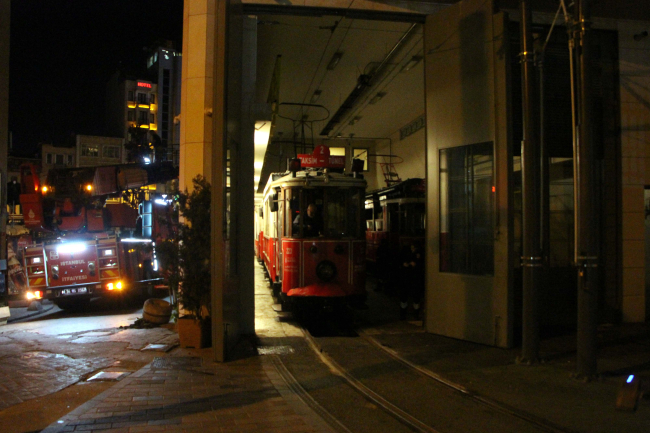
<point x="143" y="84"/>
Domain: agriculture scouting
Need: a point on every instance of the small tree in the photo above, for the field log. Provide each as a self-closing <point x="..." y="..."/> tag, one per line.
<point x="185" y="257"/>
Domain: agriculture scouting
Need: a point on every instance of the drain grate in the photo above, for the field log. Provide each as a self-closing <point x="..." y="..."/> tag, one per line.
<point x="275" y="350"/>
<point x="179" y="362"/>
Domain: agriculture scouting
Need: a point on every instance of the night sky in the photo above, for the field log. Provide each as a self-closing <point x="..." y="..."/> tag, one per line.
<point x="64" y="51"/>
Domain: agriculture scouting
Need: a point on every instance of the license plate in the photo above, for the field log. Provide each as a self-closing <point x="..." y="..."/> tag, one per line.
<point x="75" y="291"/>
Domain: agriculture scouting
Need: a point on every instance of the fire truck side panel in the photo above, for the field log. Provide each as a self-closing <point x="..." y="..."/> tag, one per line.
<point x="109" y="260"/>
<point x="35" y="268"/>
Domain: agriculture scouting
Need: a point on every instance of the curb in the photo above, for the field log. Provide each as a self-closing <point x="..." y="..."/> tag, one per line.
<point x="31" y="314"/>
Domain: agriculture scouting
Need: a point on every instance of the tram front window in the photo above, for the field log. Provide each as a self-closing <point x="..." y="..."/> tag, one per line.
<point x="343" y="213"/>
<point x="334" y="213"/>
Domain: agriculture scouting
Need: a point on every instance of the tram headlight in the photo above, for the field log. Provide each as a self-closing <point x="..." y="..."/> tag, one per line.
<point x="326" y="270"/>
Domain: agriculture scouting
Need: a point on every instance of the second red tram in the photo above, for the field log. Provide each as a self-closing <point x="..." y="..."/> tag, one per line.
<point x="311" y="236"/>
<point x="395" y="219"/>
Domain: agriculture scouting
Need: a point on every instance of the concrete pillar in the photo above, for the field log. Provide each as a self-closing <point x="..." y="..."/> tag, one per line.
<point x="197" y="90"/>
<point x="202" y="130"/>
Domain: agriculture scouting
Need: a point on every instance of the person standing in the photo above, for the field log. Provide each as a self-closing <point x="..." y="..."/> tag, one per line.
<point x="412" y="267"/>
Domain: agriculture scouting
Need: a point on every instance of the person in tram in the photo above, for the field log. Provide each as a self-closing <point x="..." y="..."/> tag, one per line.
<point x="312" y="222"/>
<point x="383" y="266"/>
<point x="412" y="267"/>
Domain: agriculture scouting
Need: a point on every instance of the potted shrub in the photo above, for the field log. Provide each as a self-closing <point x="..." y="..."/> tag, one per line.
<point x="185" y="260"/>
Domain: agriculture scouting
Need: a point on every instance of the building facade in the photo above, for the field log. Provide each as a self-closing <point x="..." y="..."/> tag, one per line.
<point x="471" y="95"/>
<point x="165" y="65"/>
<point x="91" y="151"/>
<point x="143" y="111"/>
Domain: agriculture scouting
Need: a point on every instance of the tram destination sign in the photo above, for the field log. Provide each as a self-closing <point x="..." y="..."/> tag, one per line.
<point x="321" y="158"/>
<point x="307" y="160"/>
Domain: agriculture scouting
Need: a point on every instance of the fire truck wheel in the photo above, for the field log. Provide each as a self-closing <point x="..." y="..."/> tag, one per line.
<point x="157" y="311"/>
<point x="72" y="304"/>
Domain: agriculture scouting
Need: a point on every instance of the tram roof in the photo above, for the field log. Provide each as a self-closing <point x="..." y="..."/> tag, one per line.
<point x="318" y="178"/>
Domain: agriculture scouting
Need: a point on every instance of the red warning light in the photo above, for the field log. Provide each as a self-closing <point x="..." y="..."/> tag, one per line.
<point x="494" y="188"/>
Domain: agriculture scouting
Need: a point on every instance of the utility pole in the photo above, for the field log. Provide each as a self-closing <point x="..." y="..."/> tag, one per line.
<point x="531" y="260"/>
<point x="586" y="230"/>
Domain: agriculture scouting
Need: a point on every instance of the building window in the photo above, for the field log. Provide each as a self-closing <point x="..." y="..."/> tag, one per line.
<point x="91" y="151"/>
<point x="142" y="98"/>
<point x="152" y="98"/>
<point x="58" y="159"/>
<point x="152" y="118"/>
<point x="143" y="118"/>
<point x="69" y="160"/>
<point x="111" y="152"/>
<point x="362" y="154"/>
<point x="130" y="115"/>
<point x="48" y="158"/>
<point x="466" y="210"/>
<point x="130" y="97"/>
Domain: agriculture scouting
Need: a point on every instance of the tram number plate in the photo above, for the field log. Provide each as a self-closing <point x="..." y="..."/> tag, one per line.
<point x="74" y="291"/>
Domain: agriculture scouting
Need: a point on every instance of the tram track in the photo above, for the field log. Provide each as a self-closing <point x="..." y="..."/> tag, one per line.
<point x="405" y="410"/>
<point x="506" y="409"/>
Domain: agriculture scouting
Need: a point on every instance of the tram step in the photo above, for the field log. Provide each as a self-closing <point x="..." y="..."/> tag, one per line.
<point x="277" y="308"/>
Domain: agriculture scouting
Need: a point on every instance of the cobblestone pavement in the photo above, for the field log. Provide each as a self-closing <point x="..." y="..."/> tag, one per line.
<point x="35" y="365"/>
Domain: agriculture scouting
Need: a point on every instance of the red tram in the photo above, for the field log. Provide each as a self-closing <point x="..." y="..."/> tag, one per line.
<point x="395" y="218"/>
<point x="311" y="233"/>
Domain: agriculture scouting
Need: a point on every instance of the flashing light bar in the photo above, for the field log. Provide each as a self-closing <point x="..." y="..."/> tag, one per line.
<point x="72" y="248"/>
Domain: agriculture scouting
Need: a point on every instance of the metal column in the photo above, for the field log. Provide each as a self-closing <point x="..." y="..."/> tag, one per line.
<point x="587" y="234"/>
<point x="531" y="260"/>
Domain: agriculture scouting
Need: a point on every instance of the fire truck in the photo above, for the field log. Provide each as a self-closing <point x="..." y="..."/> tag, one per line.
<point x="93" y="231"/>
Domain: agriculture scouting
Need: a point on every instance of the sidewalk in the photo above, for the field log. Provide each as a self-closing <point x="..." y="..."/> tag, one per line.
<point x="192" y="394"/>
<point x="20" y="313"/>
<point x="185" y="391"/>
